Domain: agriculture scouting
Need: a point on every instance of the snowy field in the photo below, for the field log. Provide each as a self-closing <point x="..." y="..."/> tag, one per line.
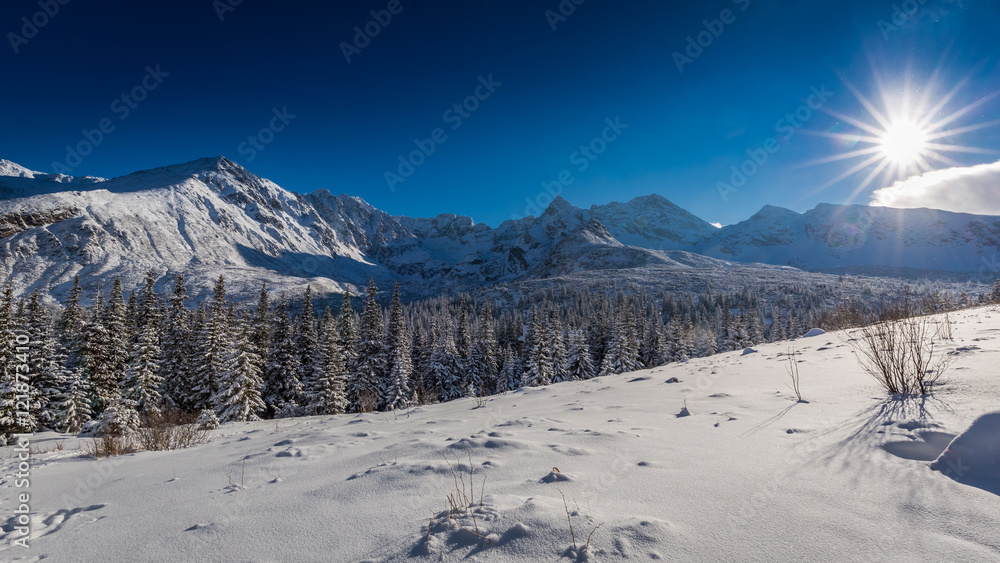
<point x="749" y="475"/>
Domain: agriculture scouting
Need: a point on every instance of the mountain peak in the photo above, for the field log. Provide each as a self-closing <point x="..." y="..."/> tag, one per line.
<point x="559" y="205"/>
<point x="13" y="169"/>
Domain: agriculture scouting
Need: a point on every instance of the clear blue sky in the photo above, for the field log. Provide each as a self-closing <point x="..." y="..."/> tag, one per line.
<point x="226" y="76"/>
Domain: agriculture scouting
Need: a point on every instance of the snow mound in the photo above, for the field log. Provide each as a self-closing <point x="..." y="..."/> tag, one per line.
<point x="748" y="351"/>
<point x="814" y="332"/>
<point x="975" y="453"/>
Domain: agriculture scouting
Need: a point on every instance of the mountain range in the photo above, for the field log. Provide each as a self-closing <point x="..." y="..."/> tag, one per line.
<point x="212" y="216"/>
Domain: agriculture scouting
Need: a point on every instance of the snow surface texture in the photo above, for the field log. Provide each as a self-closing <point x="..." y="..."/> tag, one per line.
<point x="974" y="456"/>
<point x="743" y="473"/>
<point x="211" y="216"/>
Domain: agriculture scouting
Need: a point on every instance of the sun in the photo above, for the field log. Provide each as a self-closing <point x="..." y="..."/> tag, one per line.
<point x="904" y="143"/>
<point x="909" y="133"/>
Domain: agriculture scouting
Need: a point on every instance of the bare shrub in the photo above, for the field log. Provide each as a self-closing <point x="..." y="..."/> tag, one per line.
<point x="111" y="445"/>
<point x="793" y="372"/>
<point x="900" y="353"/>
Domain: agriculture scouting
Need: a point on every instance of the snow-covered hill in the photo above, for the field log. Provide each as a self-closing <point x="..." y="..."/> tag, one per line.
<point x="709" y="460"/>
<point x="211" y="216"/>
<point x="845" y="236"/>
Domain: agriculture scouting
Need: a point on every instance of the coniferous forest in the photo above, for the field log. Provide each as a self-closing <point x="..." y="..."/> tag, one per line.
<point x="125" y="358"/>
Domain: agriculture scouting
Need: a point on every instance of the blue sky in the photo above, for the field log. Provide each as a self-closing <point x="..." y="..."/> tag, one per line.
<point x="550" y="76"/>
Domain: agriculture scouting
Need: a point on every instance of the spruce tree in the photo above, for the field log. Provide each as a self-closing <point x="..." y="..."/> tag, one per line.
<point x="116" y="355"/>
<point x="307" y="344"/>
<point x="538" y="364"/>
<point x="239" y="396"/>
<point x="579" y="363"/>
<point x="371" y="362"/>
<point x="347" y="330"/>
<point x="443" y="371"/>
<point x="96" y="367"/>
<point x="142" y="387"/>
<point x="282" y="388"/>
<point x="557" y="344"/>
<point x="328" y="392"/>
<point x="46" y="364"/>
<point x="175" y="349"/>
<point x="396" y="389"/>
<point x="484" y="360"/>
<point x="10" y="387"/>
<point x="510" y="372"/>
<point x="213" y="347"/>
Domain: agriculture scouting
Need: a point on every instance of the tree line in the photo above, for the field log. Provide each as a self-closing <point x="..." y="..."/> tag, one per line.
<point x="121" y="360"/>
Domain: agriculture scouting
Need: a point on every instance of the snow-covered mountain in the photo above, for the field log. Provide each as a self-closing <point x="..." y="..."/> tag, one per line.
<point x="832" y="237"/>
<point x="212" y="216"/>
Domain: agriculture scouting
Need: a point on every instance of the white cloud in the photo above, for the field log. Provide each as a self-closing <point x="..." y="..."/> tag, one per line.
<point x="974" y="189"/>
<point x="717" y="225"/>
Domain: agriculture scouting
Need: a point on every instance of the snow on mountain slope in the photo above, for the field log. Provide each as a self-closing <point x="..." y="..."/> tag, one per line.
<point x="841" y="236"/>
<point x="749" y="475"/>
<point x="201" y="218"/>
<point x="652" y="222"/>
<point x="18" y="181"/>
<point x="210" y="216"/>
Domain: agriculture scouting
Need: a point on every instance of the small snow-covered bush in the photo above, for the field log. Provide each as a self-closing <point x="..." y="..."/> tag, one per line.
<point x="120" y="420"/>
<point x="207" y="420"/>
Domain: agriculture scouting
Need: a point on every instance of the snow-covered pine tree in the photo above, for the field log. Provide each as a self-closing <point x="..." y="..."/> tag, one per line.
<point x="46" y="364"/>
<point x="778" y="332"/>
<point x="75" y="409"/>
<point x="307" y="344"/>
<point x="995" y="294"/>
<point x="443" y="371"/>
<point x="328" y="393"/>
<point x="97" y="369"/>
<point x="579" y="363"/>
<point x="239" y="396"/>
<point x="484" y="360"/>
<point x="622" y="352"/>
<point x="557" y="344"/>
<point x="538" y="369"/>
<point x="282" y="388"/>
<point x="423" y="383"/>
<point x="371" y="361"/>
<point x="131" y="315"/>
<point x="213" y="347"/>
<point x="175" y="349"/>
<point x="142" y="386"/>
<point x="396" y="389"/>
<point x="347" y="330"/>
<point x="510" y="372"/>
<point x="262" y="324"/>
<point x="654" y="348"/>
<point x="117" y="356"/>
<point x="9" y="387"/>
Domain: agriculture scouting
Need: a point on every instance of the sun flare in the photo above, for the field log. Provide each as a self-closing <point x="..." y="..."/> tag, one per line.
<point x="904" y="143"/>
<point x="908" y="133"/>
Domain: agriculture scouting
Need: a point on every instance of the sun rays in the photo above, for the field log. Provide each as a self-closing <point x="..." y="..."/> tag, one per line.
<point x="908" y="130"/>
